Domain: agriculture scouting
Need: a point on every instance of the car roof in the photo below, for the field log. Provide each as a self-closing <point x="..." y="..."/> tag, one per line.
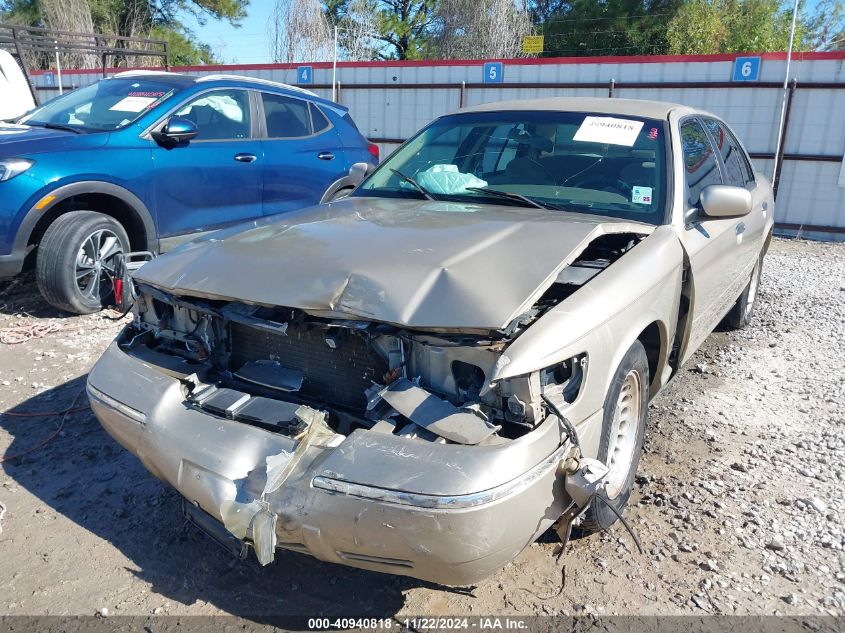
<point x="625" y="107"/>
<point x="162" y="76"/>
<point x="187" y="80"/>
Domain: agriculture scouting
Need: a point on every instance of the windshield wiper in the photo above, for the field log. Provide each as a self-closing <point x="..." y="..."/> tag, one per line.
<point x="54" y="126"/>
<point x="413" y="182"/>
<point x="511" y="196"/>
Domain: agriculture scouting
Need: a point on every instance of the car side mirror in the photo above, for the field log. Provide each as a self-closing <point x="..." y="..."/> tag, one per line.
<point x="725" y="201"/>
<point x="358" y="172"/>
<point x="176" y="131"/>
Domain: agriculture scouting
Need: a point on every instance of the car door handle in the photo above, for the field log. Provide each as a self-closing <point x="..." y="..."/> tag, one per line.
<point x="740" y="228"/>
<point x="245" y="158"/>
<point x="325" y="156"/>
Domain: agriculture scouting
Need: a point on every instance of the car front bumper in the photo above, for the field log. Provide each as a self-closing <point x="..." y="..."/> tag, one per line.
<point x="221" y="467"/>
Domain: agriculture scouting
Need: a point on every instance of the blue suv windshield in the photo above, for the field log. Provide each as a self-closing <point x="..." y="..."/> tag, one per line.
<point x="596" y="163"/>
<point x="106" y="105"/>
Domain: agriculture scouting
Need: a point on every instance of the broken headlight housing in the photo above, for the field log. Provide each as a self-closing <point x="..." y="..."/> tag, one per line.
<point x="185" y="331"/>
<point x="523" y="397"/>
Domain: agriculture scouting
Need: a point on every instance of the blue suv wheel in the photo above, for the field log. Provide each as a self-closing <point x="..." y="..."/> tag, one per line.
<point x="75" y="268"/>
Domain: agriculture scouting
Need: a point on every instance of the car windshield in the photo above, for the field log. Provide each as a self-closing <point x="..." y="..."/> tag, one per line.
<point x="602" y="164"/>
<point x="109" y="104"/>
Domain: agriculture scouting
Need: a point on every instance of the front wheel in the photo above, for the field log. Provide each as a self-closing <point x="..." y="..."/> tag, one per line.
<point x="76" y="259"/>
<point x="623" y="429"/>
<point x="741" y="312"/>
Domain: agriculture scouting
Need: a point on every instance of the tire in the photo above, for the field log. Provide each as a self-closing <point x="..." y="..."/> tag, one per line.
<point x="626" y="403"/>
<point x="75" y="262"/>
<point x="740" y="313"/>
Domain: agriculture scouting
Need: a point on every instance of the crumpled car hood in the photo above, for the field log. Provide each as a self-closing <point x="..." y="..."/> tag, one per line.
<point x="415" y="263"/>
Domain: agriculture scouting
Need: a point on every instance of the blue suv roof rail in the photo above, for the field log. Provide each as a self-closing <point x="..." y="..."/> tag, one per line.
<point x="257" y="80"/>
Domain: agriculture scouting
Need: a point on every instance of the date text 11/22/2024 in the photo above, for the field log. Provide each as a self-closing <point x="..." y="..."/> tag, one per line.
<point x="420" y="623"/>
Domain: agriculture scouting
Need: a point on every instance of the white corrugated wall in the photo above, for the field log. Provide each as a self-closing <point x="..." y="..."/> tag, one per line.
<point x="809" y="193"/>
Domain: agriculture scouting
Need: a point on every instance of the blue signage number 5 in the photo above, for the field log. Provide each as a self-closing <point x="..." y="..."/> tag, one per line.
<point x="493" y="73"/>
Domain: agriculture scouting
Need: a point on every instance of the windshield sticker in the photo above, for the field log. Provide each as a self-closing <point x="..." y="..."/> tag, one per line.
<point x="605" y="129"/>
<point x="146" y="94"/>
<point x="132" y="104"/>
<point x="641" y="195"/>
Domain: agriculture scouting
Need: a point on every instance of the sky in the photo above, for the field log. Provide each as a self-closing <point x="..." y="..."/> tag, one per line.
<point x="246" y="44"/>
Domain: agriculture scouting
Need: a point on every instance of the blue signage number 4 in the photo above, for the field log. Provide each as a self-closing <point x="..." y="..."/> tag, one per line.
<point x="746" y="69"/>
<point x="304" y="75"/>
<point x="493" y="73"/>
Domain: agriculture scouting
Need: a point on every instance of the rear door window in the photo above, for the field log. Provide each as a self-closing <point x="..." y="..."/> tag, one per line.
<point x="319" y="122"/>
<point x="700" y="164"/>
<point x="286" y="117"/>
<point x="738" y="170"/>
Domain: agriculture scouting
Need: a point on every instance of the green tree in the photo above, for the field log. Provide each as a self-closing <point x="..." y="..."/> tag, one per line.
<point x="159" y="19"/>
<point x="825" y="29"/>
<point x="182" y="48"/>
<point x="402" y="27"/>
<point x="612" y="27"/>
<point x="737" y="26"/>
<point x="697" y="28"/>
<point x="24" y="12"/>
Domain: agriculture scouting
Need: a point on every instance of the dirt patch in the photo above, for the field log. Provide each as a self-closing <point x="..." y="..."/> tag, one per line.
<point x="738" y="502"/>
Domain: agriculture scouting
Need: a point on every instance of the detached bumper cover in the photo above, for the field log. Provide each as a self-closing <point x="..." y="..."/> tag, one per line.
<point x="369" y="500"/>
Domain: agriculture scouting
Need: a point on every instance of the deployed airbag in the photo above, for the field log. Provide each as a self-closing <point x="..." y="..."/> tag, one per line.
<point x="447" y="179"/>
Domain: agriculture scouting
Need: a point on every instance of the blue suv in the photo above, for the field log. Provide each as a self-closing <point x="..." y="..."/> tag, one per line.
<point x="143" y="161"/>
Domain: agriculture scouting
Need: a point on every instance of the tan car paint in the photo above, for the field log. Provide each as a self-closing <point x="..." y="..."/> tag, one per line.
<point x="720" y="258"/>
<point x="445" y="512"/>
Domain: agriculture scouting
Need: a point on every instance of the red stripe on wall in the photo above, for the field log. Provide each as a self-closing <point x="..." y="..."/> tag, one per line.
<point x="523" y="61"/>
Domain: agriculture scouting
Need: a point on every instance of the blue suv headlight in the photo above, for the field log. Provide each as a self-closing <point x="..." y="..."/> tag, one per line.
<point x="11" y="167"/>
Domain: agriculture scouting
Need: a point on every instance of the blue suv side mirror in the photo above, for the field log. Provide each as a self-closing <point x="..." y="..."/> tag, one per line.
<point x="176" y="131"/>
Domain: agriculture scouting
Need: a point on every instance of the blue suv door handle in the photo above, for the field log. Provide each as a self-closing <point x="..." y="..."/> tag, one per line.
<point x="325" y="156"/>
<point x="245" y="158"/>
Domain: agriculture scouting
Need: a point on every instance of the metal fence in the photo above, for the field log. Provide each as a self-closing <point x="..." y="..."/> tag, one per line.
<point x="391" y="100"/>
<point x="32" y="41"/>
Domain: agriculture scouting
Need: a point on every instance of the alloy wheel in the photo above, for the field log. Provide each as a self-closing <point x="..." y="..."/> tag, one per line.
<point x="95" y="264"/>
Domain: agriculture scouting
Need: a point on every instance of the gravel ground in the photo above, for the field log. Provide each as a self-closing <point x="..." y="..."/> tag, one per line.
<point x="738" y="503"/>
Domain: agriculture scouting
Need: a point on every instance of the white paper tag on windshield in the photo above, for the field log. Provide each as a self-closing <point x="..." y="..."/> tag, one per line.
<point x="132" y="104"/>
<point x="641" y="195"/>
<point x="605" y="129"/>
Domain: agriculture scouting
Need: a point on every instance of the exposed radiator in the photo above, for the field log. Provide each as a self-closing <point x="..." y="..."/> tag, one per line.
<point x="333" y="376"/>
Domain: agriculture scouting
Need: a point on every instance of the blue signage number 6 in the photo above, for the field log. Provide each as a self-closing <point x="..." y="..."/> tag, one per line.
<point x="746" y="69"/>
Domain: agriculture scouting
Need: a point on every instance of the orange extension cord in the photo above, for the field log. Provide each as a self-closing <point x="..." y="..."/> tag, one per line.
<point x="71" y="409"/>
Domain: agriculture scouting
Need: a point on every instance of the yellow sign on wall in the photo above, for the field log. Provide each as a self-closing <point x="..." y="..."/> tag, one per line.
<point x="532" y="44"/>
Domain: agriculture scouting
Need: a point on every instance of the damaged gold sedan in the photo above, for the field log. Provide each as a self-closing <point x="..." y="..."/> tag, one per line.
<point x="424" y="377"/>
